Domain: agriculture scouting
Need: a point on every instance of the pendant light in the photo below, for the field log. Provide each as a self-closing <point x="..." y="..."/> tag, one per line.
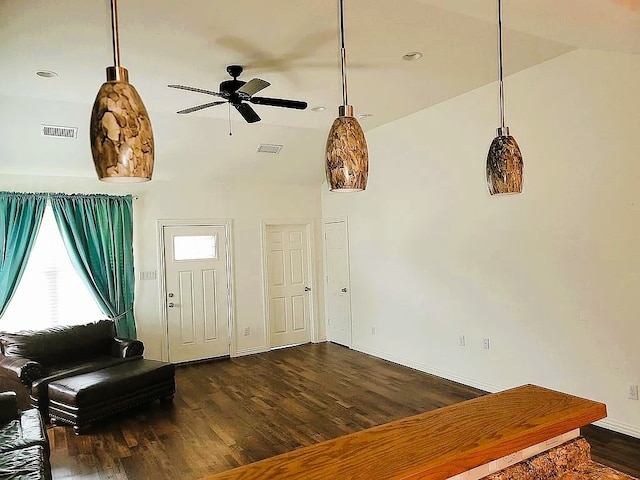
<point x="504" y="161"/>
<point x="346" y="154"/>
<point x="120" y="129"/>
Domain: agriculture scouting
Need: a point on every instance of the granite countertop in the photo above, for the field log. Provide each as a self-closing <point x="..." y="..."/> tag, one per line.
<point x="594" y="471"/>
<point x="569" y="461"/>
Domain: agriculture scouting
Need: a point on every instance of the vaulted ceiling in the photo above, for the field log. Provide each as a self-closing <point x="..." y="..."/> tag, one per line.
<point x="292" y="44"/>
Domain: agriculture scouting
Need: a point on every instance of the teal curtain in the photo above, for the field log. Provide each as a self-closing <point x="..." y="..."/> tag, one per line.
<point x="97" y="231"/>
<point x="20" y="218"/>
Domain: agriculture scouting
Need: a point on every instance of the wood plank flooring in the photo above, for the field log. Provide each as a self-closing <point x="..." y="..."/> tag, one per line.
<point x="228" y="413"/>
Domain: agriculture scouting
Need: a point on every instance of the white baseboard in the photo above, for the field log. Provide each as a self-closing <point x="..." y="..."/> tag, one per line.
<point x="620" y="427"/>
<point x="429" y="369"/>
<point x="608" y="423"/>
<point x="250" y="351"/>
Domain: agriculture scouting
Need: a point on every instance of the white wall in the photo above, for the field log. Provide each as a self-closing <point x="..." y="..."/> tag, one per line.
<point x="246" y="205"/>
<point x="551" y="276"/>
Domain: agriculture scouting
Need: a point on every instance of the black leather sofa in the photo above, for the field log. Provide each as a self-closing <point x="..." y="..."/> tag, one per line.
<point x="24" y="445"/>
<point x="30" y="360"/>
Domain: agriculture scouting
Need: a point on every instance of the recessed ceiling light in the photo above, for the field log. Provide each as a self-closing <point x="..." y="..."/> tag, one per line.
<point x="412" y="56"/>
<point x="46" y="73"/>
<point x="363" y="116"/>
<point x="318" y="109"/>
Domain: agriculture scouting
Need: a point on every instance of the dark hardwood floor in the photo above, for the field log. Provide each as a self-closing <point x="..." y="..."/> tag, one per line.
<point x="228" y="413"/>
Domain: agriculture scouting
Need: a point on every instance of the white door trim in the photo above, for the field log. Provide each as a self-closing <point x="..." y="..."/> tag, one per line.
<point x="325" y="279"/>
<point x="310" y="228"/>
<point x="227" y="223"/>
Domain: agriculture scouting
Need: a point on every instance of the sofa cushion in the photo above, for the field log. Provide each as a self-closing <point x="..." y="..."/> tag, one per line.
<point x="25" y="431"/>
<point x="56" y="344"/>
<point x="30" y="463"/>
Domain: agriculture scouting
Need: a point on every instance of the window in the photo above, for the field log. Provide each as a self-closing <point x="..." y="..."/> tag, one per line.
<point x="50" y="292"/>
<point x="194" y="247"/>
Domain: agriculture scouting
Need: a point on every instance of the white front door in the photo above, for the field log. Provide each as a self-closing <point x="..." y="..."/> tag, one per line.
<point x="336" y="251"/>
<point x="288" y="284"/>
<point x="197" y="286"/>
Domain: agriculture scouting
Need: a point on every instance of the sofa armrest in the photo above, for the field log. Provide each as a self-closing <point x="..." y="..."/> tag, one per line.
<point x="126" y="348"/>
<point x="23" y="369"/>
<point x="8" y="406"/>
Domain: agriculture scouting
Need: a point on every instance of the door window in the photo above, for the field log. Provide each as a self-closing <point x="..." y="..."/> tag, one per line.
<point x="194" y="247"/>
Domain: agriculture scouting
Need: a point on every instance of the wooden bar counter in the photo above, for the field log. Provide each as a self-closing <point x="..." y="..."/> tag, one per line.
<point x="434" y="445"/>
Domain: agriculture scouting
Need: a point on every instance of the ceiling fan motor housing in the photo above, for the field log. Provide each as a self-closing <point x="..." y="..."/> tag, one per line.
<point x="228" y="88"/>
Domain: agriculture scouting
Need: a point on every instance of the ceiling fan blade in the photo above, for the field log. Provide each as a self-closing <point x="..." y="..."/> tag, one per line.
<point x="200" y="107"/>
<point x="253" y="86"/>
<point x="193" y="89"/>
<point x="248" y="113"/>
<point x="279" y="102"/>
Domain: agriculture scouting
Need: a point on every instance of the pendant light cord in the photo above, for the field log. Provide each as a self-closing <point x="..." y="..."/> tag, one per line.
<point x="343" y="56"/>
<point x="501" y="73"/>
<point x="114" y="31"/>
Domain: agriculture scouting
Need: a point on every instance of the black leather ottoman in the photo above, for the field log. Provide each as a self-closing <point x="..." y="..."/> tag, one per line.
<point x="82" y="399"/>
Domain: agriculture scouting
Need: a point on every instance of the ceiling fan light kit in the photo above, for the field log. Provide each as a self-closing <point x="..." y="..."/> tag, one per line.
<point x="347" y="157"/>
<point x="504" y="160"/>
<point x="120" y="130"/>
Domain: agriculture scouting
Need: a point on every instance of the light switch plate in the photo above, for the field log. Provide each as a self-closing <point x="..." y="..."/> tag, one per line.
<point x="148" y="275"/>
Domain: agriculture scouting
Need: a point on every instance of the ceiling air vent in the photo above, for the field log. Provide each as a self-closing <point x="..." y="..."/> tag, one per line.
<point x="58" y="131"/>
<point x="269" y="148"/>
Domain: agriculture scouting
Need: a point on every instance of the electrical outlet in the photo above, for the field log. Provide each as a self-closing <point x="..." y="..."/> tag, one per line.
<point x="632" y="394"/>
<point x="461" y="341"/>
<point x="485" y="343"/>
<point x="373" y="330"/>
<point x="247" y="331"/>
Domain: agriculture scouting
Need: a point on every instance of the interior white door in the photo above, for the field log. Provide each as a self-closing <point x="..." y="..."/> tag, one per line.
<point x="288" y="285"/>
<point x="197" y="286"/>
<point x="336" y="249"/>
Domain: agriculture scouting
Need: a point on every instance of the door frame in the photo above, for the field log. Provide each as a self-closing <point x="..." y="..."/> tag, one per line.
<point x="310" y="228"/>
<point x="345" y="219"/>
<point x="227" y="224"/>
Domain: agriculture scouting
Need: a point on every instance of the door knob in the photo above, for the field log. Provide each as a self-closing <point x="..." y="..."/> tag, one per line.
<point x="307" y="289"/>
<point x="344" y="290"/>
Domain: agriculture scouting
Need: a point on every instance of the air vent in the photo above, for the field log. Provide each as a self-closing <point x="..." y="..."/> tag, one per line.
<point x="268" y="148"/>
<point x="58" y="131"/>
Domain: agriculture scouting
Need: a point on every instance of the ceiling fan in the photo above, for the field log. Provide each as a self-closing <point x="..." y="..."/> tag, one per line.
<point x="237" y="93"/>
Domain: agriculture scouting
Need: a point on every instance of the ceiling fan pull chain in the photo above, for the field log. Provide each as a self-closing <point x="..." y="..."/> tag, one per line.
<point x="229" y="110"/>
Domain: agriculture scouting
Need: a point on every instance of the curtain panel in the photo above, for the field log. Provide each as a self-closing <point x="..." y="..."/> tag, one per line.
<point x="97" y="231"/>
<point x="20" y="218"/>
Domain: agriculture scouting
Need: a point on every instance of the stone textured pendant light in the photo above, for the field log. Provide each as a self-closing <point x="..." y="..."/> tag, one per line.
<point x="120" y="130"/>
<point x="504" y="161"/>
<point x="347" y="157"/>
